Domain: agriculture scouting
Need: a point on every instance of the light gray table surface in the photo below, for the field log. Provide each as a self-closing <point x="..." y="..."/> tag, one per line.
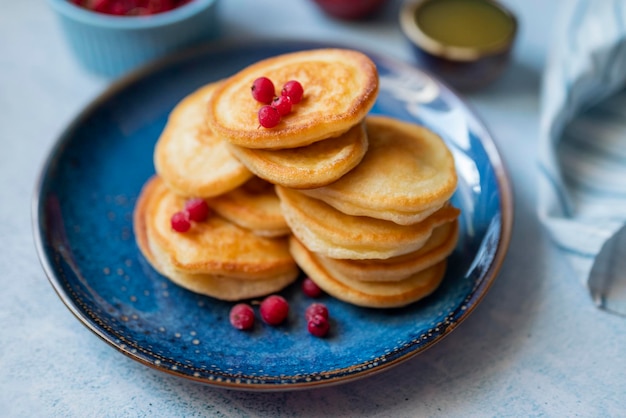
<point x="536" y="346"/>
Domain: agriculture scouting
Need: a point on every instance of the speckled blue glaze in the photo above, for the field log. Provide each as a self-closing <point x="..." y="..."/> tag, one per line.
<point x="83" y="231"/>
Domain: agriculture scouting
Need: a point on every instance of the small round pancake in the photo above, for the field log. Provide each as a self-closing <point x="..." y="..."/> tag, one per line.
<point x="254" y="206"/>
<point x="369" y="294"/>
<point x="220" y="287"/>
<point x="439" y="246"/>
<point x="190" y="158"/>
<point x="340" y="87"/>
<point x="407" y="173"/>
<point x="325" y="230"/>
<point x="214" y="247"/>
<point x="314" y="165"/>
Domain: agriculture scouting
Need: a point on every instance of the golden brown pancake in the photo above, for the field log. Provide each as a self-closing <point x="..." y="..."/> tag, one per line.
<point x="323" y="229"/>
<point x="218" y="286"/>
<point x="340" y="87"/>
<point x="407" y="174"/>
<point x="215" y="247"/>
<point x="439" y="246"/>
<point x="190" y="158"/>
<point x="369" y="294"/>
<point x="313" y="165"/>
<point x="253" y="205"/>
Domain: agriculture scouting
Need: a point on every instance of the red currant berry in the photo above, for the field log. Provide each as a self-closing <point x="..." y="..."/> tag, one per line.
<point x="101" y="6"/>
<point x="315" y="309"/>
<point x="159" y="6"/>
<point x="318" y="326"/>
<point x="282" y="104"/>
<point x="268" y="116"/>
<point x="294" y="90"/>
<point x="274" y="309"/>
<point x="310" y="288"/>
<point x="180" y="221"/>
<point x="139" y="11"/>
<point x="119" y="9"/>
<point x="263" y="90"/>
<point x="197" y="209"/>
<point x="242" y="316"/>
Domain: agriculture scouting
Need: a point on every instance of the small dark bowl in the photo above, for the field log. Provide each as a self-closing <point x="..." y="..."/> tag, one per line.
<point x="463" y="67"/>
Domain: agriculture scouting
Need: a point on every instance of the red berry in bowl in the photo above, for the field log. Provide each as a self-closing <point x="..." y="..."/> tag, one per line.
<point x="159" y="6"/>
<point x="139" y="11"/>
<point x="130" y="7"/>
<point x="101" y="6"/>
<point x="318" y="326"/>
<point x="268" y="116"/>
<point x="282" y="104"/>
<point x="310" y="288"/>
<point x="180" y="221"/>
<point x="197" y="208"/>
<point x="274" y="309"/>
<point x="315" y="309"/>
<point x="294" y="90"/>
<point x="263" y="90"/>
<point x="242" y="316"/>
<point x="120" y="8"/>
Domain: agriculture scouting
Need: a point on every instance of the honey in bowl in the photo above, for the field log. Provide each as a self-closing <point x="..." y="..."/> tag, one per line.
<point x="465" y="23"/>
<point x="466" y="42"/>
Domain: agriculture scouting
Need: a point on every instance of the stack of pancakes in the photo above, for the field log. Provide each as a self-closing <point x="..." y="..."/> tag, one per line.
<point x="379" y="236"/>
<point x="359" y="202"/>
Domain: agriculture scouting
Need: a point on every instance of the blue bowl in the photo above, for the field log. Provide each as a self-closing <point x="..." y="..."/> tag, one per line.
<point x="112" y="45"/>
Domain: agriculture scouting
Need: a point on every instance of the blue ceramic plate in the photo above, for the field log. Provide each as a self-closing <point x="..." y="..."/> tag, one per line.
<point x="83" y="226"/>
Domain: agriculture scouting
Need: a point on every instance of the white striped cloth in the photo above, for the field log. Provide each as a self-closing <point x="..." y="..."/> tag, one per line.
<point x="582" y="181"/>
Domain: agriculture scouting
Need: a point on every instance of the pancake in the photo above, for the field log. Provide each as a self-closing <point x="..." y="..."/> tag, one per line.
<point x="323" y="229"/>
<point x="190" y="158"/>
<point x="215" y="247"/>
<point x="369" y="294"/>
<point x="218" y="286"/>
<point x="439" y="246"/>
<point x="407" y="174"/>
<point x="314" y="165"/>
<point x="254" y="206"/>
<point x="340" y="87"/>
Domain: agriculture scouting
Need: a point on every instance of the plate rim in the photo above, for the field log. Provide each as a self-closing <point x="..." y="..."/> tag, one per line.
<point x="495" y="158"/>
